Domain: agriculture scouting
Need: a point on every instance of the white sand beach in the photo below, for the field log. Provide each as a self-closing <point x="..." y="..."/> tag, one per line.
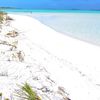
<point x="49" y="56"/>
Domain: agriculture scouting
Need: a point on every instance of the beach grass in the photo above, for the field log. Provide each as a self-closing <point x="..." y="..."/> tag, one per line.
<point x="27" y="93"/>
<point x="6" y="99"/>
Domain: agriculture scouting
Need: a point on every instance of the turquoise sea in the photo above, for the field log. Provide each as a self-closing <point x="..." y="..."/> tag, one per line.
<point x="84" y="25"/>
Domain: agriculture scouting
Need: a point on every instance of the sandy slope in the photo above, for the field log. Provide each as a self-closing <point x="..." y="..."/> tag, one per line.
<point x="71" y="63"/>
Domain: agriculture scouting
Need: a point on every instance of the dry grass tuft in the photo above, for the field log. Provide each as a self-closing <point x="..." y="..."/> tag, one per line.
<point x="12" y="34"/>
<point x="9" y="18"/>
<point x="3" y="16"/>
<point x="18" y="56"/>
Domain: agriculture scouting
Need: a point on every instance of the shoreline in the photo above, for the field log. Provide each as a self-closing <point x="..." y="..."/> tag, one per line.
<point x="80" y="31"/>
<point x="72" y="63"/>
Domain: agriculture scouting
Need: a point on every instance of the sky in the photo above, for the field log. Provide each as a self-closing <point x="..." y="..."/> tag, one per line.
<point x="52" y="4"/>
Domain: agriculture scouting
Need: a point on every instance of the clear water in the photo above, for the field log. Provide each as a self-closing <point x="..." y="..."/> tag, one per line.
<point x="84" y="25"/>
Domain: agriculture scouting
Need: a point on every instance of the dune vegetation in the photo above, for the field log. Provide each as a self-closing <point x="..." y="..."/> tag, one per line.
<point x="27" y="93"/>
<point x="2" y="16"/>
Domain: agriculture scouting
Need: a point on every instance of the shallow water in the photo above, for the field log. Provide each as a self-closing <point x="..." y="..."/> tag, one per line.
<point x="84" y="26"/>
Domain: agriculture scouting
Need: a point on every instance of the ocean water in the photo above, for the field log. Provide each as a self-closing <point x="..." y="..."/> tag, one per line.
<point x="84" y="25"/>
